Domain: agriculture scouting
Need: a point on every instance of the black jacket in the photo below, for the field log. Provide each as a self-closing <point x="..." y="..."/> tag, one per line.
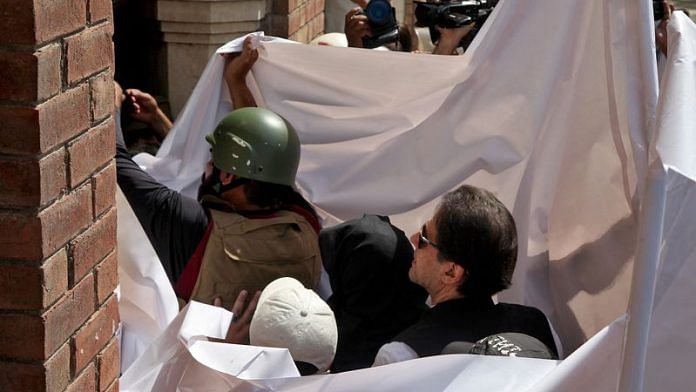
<point x="472" y="319"/>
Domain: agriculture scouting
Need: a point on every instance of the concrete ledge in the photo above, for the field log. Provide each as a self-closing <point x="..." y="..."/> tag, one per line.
<point x="209" y="28"/>
<point x="210" y="11"/>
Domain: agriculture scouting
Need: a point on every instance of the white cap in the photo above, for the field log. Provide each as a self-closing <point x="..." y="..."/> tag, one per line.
<point x="290" y="316"/>
<point x="331" y="39"/>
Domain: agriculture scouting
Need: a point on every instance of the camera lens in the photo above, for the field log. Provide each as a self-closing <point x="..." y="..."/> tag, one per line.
<point x="378" y="11"/>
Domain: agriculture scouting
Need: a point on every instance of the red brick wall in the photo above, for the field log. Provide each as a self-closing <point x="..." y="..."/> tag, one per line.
<point x="299" y="20"/>
<point x="58" y="313"/>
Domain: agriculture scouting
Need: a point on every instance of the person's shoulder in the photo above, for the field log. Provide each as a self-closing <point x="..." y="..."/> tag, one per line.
<point x="522" y="311"/>
<point x="393" y="352"/>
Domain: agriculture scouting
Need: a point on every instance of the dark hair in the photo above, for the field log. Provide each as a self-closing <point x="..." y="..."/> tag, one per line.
<point x="269" y="195"/>
<point x="476" y="231"/>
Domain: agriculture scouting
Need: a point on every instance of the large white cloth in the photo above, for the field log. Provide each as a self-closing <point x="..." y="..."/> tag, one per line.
<point x="550" y="109"/>
<point x="147" y="303"/>
<point x="554" y="109"/>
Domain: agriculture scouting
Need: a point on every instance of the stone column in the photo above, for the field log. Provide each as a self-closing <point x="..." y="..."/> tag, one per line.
<point x="58" y="268"/>
<point x="194" y="29"/>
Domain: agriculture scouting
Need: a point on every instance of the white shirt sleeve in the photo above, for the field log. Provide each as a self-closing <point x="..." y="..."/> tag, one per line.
<point x="394" y="352"/>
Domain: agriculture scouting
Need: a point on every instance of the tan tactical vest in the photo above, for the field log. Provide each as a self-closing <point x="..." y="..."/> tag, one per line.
<point x="247" y="254"/>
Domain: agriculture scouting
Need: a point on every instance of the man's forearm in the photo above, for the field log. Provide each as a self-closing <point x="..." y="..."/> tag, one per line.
<point x="241" y="95"/>
<point x="174" y="224"/>
<point x="161" y="125"/>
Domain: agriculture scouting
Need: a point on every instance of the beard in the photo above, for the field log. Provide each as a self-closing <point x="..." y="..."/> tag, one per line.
<point x="209" y="186"/>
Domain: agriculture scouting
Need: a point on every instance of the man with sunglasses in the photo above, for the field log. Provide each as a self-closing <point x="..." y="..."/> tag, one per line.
<point x="465" y="254"/>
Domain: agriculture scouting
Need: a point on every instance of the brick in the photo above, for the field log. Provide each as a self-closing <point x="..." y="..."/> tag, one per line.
<point x="69" y="313"/>
<point x="99" y="10"/>
<point x="25" y="236"/>
<point x="36" y="130"/>
<point x="33" y="287"/>
<point x="58" y="369"/>
<point x="22" y="377"/>
<point x="91" y="150"/>
<point x="54" y="375"/>
<point x="113" y="387"/>
<point x="94" y="335"/>
<point x="102" y="88"/>
<point x="90" y="247"/>
<point x="28" y="22"/>
<point x="17" y="21"/>
<point x="294" y="22"/>
<point x="20" y="130"/>
<point x="20" y="236"/>
<point x="28" y="183"/>
<point x="107" y="277"/>
<point x="109" y="365"/>
<point x="55" y="18"/>
<point x="28" y="337"/>
<point x="28" y="77"/>
<point x="20" y="182"/>
<point x="53" y="176"/>
<point x="55" y="277"/>
<point x="316" y="26"/>
<point x="88" y="52"/>
<point x="66" y="218"/>
<point x="22" y="337"/>
<point x="20" y="285"/>
<point x="85" y="382"/>
<point x="104" y="187"/>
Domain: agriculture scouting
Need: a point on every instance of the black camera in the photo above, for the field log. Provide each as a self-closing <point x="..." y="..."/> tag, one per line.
<point x="382" y="19"/>
<point x="452" y="14"/>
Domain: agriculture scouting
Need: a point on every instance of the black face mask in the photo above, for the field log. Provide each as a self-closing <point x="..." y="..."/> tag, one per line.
<point x="214" y="187"/>
<point x="211" y="185"/>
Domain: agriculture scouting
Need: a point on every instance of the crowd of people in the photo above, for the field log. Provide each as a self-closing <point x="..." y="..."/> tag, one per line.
<point x="252" y="244"/>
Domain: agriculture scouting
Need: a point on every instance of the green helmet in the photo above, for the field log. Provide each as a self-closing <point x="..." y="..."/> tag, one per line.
<point x="258" y="144"/>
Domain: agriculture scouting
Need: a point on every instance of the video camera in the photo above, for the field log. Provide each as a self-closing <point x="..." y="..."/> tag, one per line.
<point x="382" y="19"/>
<point x="452" y="14"/>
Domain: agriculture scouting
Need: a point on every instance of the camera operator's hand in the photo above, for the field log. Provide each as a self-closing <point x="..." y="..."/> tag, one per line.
<point x="450" y="38"/>
<point x="356" y="27"/>
<point x="661" y="27"/>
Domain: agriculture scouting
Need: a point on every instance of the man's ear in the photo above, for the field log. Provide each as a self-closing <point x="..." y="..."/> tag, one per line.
<point x="226" y="178"/>
<point x="453" y="274"/>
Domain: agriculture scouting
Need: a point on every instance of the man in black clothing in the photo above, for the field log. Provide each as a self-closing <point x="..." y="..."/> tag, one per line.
<point x="367" y="261"/>
<point x="464" y="255"/>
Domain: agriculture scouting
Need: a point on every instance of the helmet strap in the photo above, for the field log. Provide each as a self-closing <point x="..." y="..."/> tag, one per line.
<point x="239" y="181"/>
<point x="214" y="187"/>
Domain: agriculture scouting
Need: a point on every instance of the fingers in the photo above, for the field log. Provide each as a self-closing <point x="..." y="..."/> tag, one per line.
<point x="361" y="3"/>
<point x="351" y="13"/>
<point x="217" y="301"/>
<point x="249" y="312"/>
<point x="238" y="306"/>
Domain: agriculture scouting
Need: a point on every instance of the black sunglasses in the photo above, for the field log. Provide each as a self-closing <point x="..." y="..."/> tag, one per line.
<point x="423" y="241"/>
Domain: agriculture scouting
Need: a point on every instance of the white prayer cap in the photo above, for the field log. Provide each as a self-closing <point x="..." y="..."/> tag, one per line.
<point x="289" y="315"/>
<point x="331" y="39"/>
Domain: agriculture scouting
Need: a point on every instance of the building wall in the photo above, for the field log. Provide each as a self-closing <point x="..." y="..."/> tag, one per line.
<point x="193" y="30"/>
<point x="58" y="268"/>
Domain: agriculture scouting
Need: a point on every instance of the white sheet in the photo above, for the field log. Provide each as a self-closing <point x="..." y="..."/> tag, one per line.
<point x="559" y="125"/>
<point x="554" y="123"/>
